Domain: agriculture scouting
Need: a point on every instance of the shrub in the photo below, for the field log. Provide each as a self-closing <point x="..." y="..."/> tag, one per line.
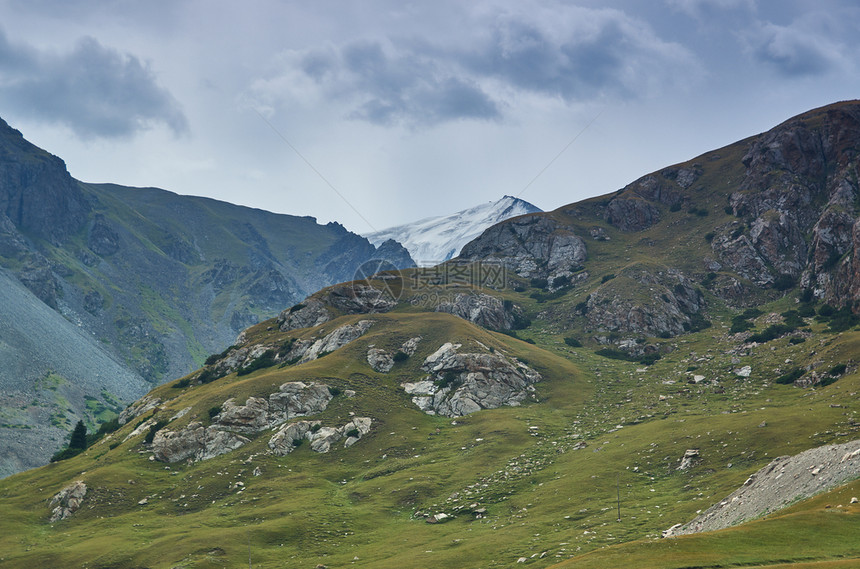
<point x="150" y="436"/>
<point x="796" y="340"/>
<point x="709" y="236"/>
<point x="78" y="439"/>
<point x="297" y="442"/>
<point x="450" y="378"/>
<point x="353" y="433"/>
<point x="783" y="282"/>
<point x="740" y="324"/>
<point x="770" y="333"/>
<point x="214" y="411"/>
<point x="572" y="342"/>
<point x="182" y="383"/>
<point x="335" y="391"/>
<point x="66" y="453"/>
<point x="709" y="280"/>
<point x="607" y="278"/>
<point x="539" y="283"/>
<point x="837" y="370"/>
<point x="400" y="356"/>
<point x="315" y="427"/>
<point x="790" y="376"/>
<point x="675" y="207"/>
<point x="266" y="359"/>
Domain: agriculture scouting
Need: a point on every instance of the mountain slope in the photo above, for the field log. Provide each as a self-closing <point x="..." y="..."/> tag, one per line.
<point x="46" y="391"/>
<point x="573" y="385"/>
<point x="436" y="239"/>
<point x="158" y="280"/>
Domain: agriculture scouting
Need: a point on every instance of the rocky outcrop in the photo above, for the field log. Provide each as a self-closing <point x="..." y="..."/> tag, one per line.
<point x="68" y="500"/>
<point x="531" y="246"/>
<point x="36" y="191"/>
<point x="308" y="314"/>
<point x="380" y="360"/>
<point x="632" y="213"/>
<point x="643" y="300"/>
<point x="321" y="439"/>
<point x="460" y="384"/>
<point x="634" y="209"/>
<point x="482" y="309"/>
<point x="298" y="351"/>
<point x="138" y="408"/>
<point x="335" y="340"/>
<point x="197" y="442"/>
<point x="352" y="298"/>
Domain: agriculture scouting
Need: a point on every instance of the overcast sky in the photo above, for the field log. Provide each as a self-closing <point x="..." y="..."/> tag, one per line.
<point x="379" y="112"/>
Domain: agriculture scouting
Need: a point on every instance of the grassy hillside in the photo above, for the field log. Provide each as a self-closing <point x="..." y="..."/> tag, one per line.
<point x="664" y="318"/>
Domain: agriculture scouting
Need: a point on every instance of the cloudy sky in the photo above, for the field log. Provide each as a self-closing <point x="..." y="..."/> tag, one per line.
<point x="379" y="112"/>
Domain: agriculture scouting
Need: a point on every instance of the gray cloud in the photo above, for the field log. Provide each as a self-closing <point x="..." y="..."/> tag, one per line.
<point x="568" y="53"/>
<point x="795" y="52"/>
<point x="92" y="89"/>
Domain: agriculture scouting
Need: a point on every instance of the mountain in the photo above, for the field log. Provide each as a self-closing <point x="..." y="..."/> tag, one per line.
<point x="156" y="281"/>
<point x="675" y="356"/>
<point x="437" y="239"/>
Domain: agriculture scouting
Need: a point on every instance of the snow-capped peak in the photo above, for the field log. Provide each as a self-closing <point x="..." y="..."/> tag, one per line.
<point x="433" y="240"/>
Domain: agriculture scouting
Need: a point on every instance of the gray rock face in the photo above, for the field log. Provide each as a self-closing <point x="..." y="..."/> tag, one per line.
<point x="306" y="315"/>
<point x="460" y="384"/>
<point x="481" y="309"/>
<point x="632" y="213"/>
<point x="380" y="360"/>
<point x="290" y="436"/>
<point x="68" y="500"/>
<point x="531" y="246"/>
<point x="641" y="300"/>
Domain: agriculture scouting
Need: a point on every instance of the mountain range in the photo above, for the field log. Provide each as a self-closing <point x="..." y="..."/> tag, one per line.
<point x="434" y="240"/>
<point x="597" y="386"/>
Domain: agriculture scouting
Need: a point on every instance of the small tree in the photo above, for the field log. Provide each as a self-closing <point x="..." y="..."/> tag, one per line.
<point x="79" y="436"/>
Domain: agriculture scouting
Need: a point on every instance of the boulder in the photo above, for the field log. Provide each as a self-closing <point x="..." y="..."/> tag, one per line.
<point x="460" y="384"/>
<point x="380" y="360"/>
<point x="68" y="500"/>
